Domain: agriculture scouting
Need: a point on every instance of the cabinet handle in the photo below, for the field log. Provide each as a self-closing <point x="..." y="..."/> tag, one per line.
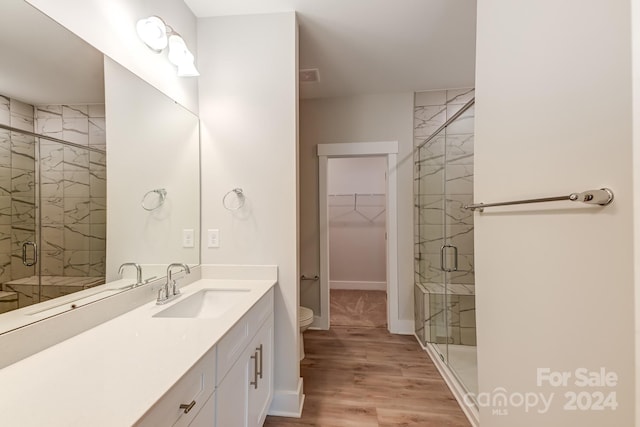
<point x="254" y="383"/>
<point x="188" y="406"/>
<point x="260" y="350"/>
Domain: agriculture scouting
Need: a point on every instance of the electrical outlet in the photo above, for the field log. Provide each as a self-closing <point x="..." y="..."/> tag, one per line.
<point x="187" y="238"/>
<point x="213" y="238"/>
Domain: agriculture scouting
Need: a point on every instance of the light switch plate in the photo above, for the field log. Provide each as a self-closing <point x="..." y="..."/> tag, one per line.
<point x="213" y="238"/>
<point x="187" y="238"/>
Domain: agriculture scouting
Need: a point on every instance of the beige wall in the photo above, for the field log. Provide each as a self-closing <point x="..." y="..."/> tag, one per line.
<point x="554" y="282"/>
<point x="635" y="19"/>
<point x="248" y="112"/>
<point x="368" y="118"/>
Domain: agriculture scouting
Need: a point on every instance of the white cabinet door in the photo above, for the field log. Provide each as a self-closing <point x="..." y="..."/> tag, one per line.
<point x="261" y="393"/>
<point x="232" y="395"/>
<point x="245" y="389"/>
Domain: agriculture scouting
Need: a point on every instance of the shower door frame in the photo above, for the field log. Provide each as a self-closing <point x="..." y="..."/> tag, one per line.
<point x="388" y="149"/>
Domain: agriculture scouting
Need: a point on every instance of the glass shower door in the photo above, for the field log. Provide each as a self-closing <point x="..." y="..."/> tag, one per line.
<point x="459" y="250"/>
<point x="18" y="219"/>
<point x="445" y="291"/>
<point x="431" y="240"/>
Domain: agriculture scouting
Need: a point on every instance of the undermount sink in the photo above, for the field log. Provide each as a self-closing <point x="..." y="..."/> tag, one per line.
<point x="205" y="304"/>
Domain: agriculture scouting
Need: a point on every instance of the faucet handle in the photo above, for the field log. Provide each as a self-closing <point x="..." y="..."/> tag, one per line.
<point x="162" y="293"/>
<point x="173" y="287"/>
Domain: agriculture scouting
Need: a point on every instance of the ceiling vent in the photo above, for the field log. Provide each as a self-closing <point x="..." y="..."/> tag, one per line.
<point x="309" y="75"/>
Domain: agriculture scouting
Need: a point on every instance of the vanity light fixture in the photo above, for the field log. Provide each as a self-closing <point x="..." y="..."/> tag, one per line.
<point x="157" y="35"/>
<point x="153" y="32"/>
<point x="180" y="56"/>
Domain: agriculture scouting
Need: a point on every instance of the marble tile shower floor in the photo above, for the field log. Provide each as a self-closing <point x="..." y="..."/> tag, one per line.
<point x="361" y="376"/>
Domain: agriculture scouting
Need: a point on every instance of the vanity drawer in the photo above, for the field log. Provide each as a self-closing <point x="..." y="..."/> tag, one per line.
<point x="195" y="386"/>
<point x="231" y="346"/>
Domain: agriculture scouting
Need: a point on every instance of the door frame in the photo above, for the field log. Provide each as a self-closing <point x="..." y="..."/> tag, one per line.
<point x="388" y="149"/>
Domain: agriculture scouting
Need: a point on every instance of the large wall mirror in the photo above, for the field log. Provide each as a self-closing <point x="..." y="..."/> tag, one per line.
<point x="97" y="169"/>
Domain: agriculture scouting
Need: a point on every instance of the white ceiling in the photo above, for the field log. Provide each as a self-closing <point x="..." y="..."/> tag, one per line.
<point x="373" y="46"/>
<point x="43" y="63"/>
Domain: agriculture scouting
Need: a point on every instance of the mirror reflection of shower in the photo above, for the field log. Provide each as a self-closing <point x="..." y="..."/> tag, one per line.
<point x="52" y="201"/>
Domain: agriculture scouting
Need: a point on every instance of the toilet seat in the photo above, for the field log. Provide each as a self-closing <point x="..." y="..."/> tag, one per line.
<point x="305" y="319"/>
<point x="305" y="316"/>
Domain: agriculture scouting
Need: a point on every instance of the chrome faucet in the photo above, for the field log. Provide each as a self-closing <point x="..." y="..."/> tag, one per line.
<point x="138" y="272"/>
<point x="170" y="289"/>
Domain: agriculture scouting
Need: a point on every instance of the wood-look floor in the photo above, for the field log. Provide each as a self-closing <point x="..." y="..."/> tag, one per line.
<point x="364" y="376"/>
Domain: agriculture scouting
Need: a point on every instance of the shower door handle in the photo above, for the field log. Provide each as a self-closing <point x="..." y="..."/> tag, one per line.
<point x="34" y="260"/>
<point x="455" y="258"/>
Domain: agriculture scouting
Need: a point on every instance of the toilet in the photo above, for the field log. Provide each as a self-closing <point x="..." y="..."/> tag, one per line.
<point x="305" y="318"/>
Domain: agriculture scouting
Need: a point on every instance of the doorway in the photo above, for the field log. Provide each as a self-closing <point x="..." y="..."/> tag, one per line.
<point x="357" y="249"/>
<point x="386" y="152"/>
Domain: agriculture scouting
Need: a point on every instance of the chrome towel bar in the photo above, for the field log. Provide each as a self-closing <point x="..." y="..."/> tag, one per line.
<point x="601" y="197"/>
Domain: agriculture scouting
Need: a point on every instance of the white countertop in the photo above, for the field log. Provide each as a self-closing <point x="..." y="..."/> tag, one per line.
<point x="112" y="374"/>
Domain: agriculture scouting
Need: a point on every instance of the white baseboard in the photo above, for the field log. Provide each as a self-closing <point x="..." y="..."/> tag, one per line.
<point x="402" y="327"/>
<point x="288" y="403"/>
<point x="360" y="286"/>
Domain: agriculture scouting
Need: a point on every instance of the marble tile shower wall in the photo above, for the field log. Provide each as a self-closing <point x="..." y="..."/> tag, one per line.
<point x="445" y="318"/>
<point x="72" y="191"/>
<point x="17" y="189"/>
<point x="443" y="162"/>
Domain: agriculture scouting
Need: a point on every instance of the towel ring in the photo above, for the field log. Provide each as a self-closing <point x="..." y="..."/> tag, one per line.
<point x="233" y="200"/>
<point x="150" y="203"/>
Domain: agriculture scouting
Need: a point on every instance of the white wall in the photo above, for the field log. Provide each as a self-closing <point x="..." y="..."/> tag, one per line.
<point x="554" y="282"/>
<point x="143" y="123"/>
<point x="248" y="111"/>
<point x="357" y="203"/>
<point x="109" y="26"/>
<point x="368" y="118"/>
<point x="357" y="175"/>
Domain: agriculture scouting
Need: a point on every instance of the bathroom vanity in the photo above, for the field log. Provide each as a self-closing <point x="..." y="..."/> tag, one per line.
<point x="205" y="358"/>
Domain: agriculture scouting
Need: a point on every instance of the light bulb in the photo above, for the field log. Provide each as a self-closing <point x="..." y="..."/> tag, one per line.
<point x="177" y="50"/>
<point x="153" y="32"/>
<point x="180" y="56"/>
